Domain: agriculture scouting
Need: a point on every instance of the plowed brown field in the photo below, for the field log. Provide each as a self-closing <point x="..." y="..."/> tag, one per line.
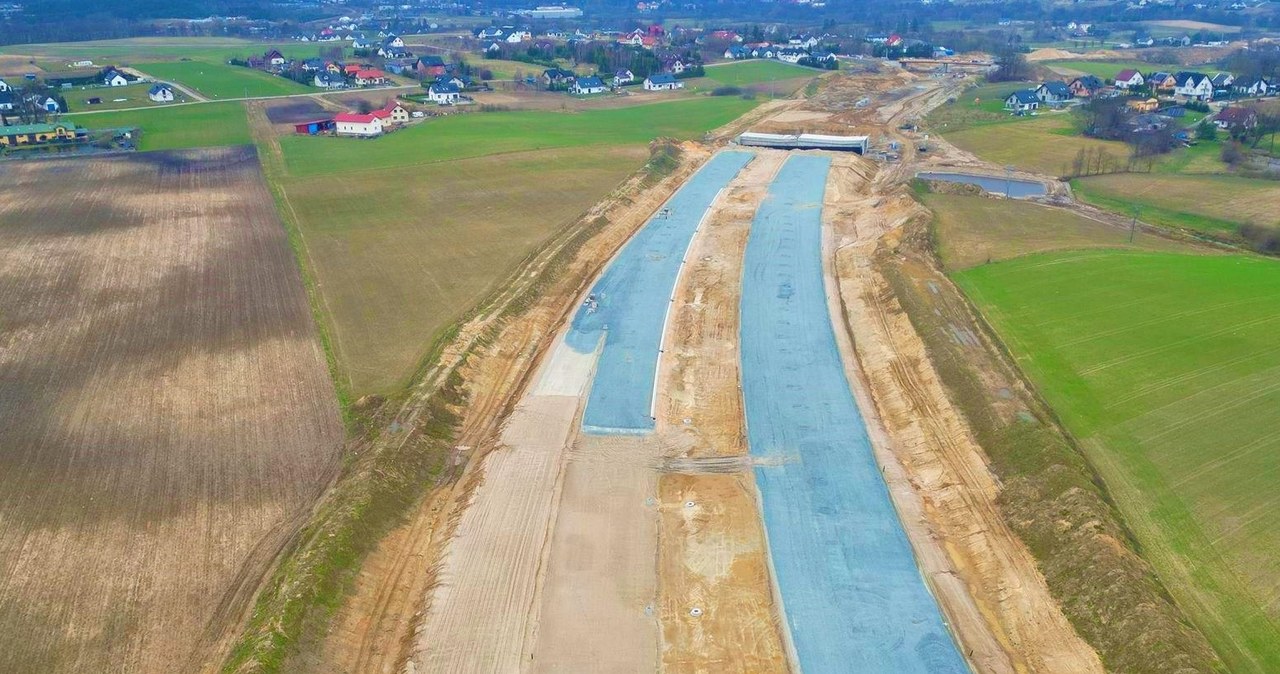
<point x="166" y="417"/>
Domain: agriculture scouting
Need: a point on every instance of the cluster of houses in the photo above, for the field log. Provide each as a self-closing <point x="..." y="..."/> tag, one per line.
<point x="324" y="74"/>
<point x="1184" y="85"/>
<point x="583" y="85"/>
<point x="788" y="52"/>
<point x="10" y="99"/>
<point x="357" y="124"/>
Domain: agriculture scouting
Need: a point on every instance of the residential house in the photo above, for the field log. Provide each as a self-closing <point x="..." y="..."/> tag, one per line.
<point x="392" y="41"/>
<point x="394" y="53"/>
<point x="558" y="76"/>
<point x="50" y="104"/>
<point x="737" y="52"/>
<point x="355" y="124"/>
<point x="791" y="55"/>
<point x="7" y="98"/>
<point x="273" y="57"/>
<point x="1193" y="85"/>
<point x="161" y="93"/>
<point x="312" y="65"/>
<point x="4" y="86"/>
<point x="114" y="78"/>
<point x="1142" y="106"/>
<point x="1251" y="86"/>
<point x="662" y="82"/>
<point x="1023" y="100"/>
<point x="1129" y="79"/>
<point x="36" y="134"/>
<point x="1236" y="118"/>
<point x="1086" y="86"/>
<point x="459" y="81"/>
<point x="328" y="80"/>
<point x="518" y="36"/>
<point x="1222" y="82"/>
<point x="393" y="113"/>
<point x="443" y="93"/>
<point x="805" y="42"/>
<point x="429" y="66"/>
<point x="370" y="78"/>
<point x="361" y="43"/>
<point x="588" y="85"/>
<point x="1162" y="82"/>
<point x="623" y="77"/>
<point x="1053" y="92"/>
<point x="493" y="33"/>
<point x="1148" y="121"/>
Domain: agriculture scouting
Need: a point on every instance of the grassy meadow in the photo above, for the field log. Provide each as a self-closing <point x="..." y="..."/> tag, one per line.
<point x="219" y="80"/>
<point x="1209" y="203"/>
<point x="974" y="230"/>
<point x="1045" y="144"/>
<point x="1107" y="69"/>
<point x="477" y="135"/>
<point x="113" y="98"/>
<point x="1164" y="368"/>
<point x="757" y="71"/>
<point x="399" y="255"/>
<point x="178" y="126"/>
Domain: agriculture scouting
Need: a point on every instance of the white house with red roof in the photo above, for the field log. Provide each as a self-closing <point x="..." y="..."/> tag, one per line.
<point x="356" y="124"/>
<point x="1129" y="79"/>
<point x="370" y="77"/>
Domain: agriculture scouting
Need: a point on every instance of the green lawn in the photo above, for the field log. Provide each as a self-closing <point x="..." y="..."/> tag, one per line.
<point x="757" y="71"/>
<point x="1165" y="368"/>
<point x="479" y="134"/>
<point x="178" y="126"/>
<point x="1212" y="203"/>
<point x="219" y="80"/>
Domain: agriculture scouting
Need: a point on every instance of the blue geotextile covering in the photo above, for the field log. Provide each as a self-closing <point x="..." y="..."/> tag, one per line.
<point x="853" y="597"/>
<point x="628" y="305"/>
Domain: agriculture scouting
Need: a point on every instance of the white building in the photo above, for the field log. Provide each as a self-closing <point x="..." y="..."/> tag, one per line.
<point x="443" y="93"/>
<point x="161" y="93"/>
<point x="353" y="124"/>
<point x="662" y="82"/>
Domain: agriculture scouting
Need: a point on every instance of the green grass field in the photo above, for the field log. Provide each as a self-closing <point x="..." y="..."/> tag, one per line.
<point x="974" y="230"/>
<point x="1165" y="368"/>
<point x="977" y="106"/>
<point x="757" y="71"/>
<point x="399" y="255"/>
<point x="1046" y="144"/>
<point x="134" y="96"/>
<point x="1108" y="69"/>
<point x="131" y="50"/>
<point x="178" y="126"/>
<point x="480" y="134"/>
<point x="219" y="80"/>
<point x="1211" y="203"/>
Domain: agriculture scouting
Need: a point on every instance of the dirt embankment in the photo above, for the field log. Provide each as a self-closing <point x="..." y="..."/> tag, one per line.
<point x="716" y="605"/>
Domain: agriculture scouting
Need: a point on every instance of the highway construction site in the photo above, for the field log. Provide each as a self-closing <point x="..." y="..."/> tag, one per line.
<point x="675" y="458"/>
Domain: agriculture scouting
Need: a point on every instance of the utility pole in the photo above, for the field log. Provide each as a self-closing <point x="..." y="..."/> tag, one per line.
<point x="1133" y="225"/>
<point x="1008" y="180"/>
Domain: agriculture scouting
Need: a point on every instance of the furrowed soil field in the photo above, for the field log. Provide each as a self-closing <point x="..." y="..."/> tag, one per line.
<point x="1204" y="202"/>
<point x="178" y="126"/>
<point x="167" y="415"/>
<point x="1165" y="368"/>
<point x="219" y="80"/>
<point x="444" y="235"/>
<point x="480" y="134"/>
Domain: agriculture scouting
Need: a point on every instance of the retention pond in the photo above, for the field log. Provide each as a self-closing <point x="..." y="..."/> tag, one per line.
<point x="852" y="594"/>
<point x="1016" y="189"/>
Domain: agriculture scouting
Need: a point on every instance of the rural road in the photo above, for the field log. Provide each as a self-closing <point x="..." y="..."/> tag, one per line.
<point x="239" y="98"/>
